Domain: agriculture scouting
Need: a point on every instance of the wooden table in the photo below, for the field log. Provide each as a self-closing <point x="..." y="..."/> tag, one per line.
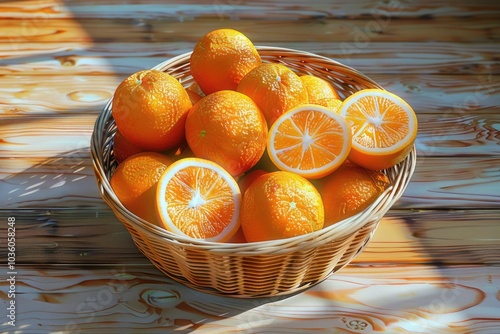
<point x="433" y="265"/>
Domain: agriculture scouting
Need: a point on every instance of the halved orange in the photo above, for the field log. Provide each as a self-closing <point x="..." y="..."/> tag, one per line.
<point x="309" y="140"/>
<point x="199" y="199"/>
<point x="383" y="125"/>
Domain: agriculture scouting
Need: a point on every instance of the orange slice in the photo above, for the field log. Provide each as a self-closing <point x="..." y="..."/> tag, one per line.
<point x="309" y="140"/>
<point x="383" y="125"/>
<point x="199" y="199"/>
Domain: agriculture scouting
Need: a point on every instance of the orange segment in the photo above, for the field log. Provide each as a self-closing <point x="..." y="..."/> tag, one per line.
<point x="199" y="199"/>
<point x="383" y="125"/>
<point x="309" y="140"/>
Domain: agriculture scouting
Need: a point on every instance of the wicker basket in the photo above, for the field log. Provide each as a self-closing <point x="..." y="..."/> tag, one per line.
<point x="260" y="269"/>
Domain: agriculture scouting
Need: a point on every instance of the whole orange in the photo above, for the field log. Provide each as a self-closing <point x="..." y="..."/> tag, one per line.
<point x="228" y="128"/>
<point x="275" y="88"/>
<point x="279" y="205"/>
<point x="195" y="88"/>
<point x="319" y="90"/>
<point x="247" y="179"/>
<point x="332" y="103"/>
<point x="221" y="58"/>
<point x="150" y="109"/>
<point x="349" y="190"/>
<point x="122" y="148"/>
<point x="134" y="183"/>
<point x="193" y="96"/>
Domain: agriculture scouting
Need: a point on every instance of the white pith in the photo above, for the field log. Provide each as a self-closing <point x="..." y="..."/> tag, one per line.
<point x="197" y="200"/>
<point x="378" y="121"/>
<point x="308" y="140"/>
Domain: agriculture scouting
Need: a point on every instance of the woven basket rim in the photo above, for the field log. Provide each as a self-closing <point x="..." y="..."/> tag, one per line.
<point x="383" y="203"/>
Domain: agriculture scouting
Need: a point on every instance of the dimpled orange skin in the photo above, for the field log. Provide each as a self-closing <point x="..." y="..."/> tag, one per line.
<point x="228" y="128"/>
<point x="280" y="205"/>
<point x="193" y="96"/>
<point x="150" y="109"/>
<point x="247" y="179"/>
<point x="349" y="190"/>
<point x="134" y="183"/>
<point x="319" y="91"/>
<point x="122" y="148"/>
<point x="221" y="58"/>
<point x="275" y="88"/>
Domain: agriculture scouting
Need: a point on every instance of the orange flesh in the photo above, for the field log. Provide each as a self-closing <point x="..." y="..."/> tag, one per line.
<point x="377" y="122"/>
<point x="199" y="211"/>
<point x="308" y="140"/>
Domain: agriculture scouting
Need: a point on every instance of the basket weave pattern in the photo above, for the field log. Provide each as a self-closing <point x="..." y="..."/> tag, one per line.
<point x="270" y="268"/>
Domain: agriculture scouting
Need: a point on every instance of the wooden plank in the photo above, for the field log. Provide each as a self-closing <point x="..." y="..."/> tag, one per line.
<point x="121" y="59"/>
<point x="45" y="160"/>
<point x="416" y="299"/>
<point x="446" y="96"/>
<point x="31" y="137"/>
<point x="64" y="95"/>
<point x="448" y="237"/>
<point x="93" y="236"/>
<point x="436" y="270"/>
<point x="68" y="180"/>
<point x="83" y="236"/>
<point x="356" y="31"/>
<point x="445" y="182"/>
<point x="237" y="9"/>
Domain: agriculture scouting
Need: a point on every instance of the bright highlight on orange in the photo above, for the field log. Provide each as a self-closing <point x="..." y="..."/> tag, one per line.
<point x="384" y="128"/>
<point x="310" y="141"/>
<point x="199" y="199"/>
<point x="251" y="151"/>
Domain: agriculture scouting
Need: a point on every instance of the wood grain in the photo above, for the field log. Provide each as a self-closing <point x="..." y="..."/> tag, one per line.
<point x="120" y="59"/>
<point x="88" y="236"/>
<point x="226" y="9"/>
<point x="447" y="95"/>
<point x="343" y="21"/>
<point x="67" y="180"/>
<point x="451" y="133"/>
<point x="416" y="299"/>
<point x="483" y="29"/>
<point x="435" y="237"/>
<point x="433" y="263"/>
